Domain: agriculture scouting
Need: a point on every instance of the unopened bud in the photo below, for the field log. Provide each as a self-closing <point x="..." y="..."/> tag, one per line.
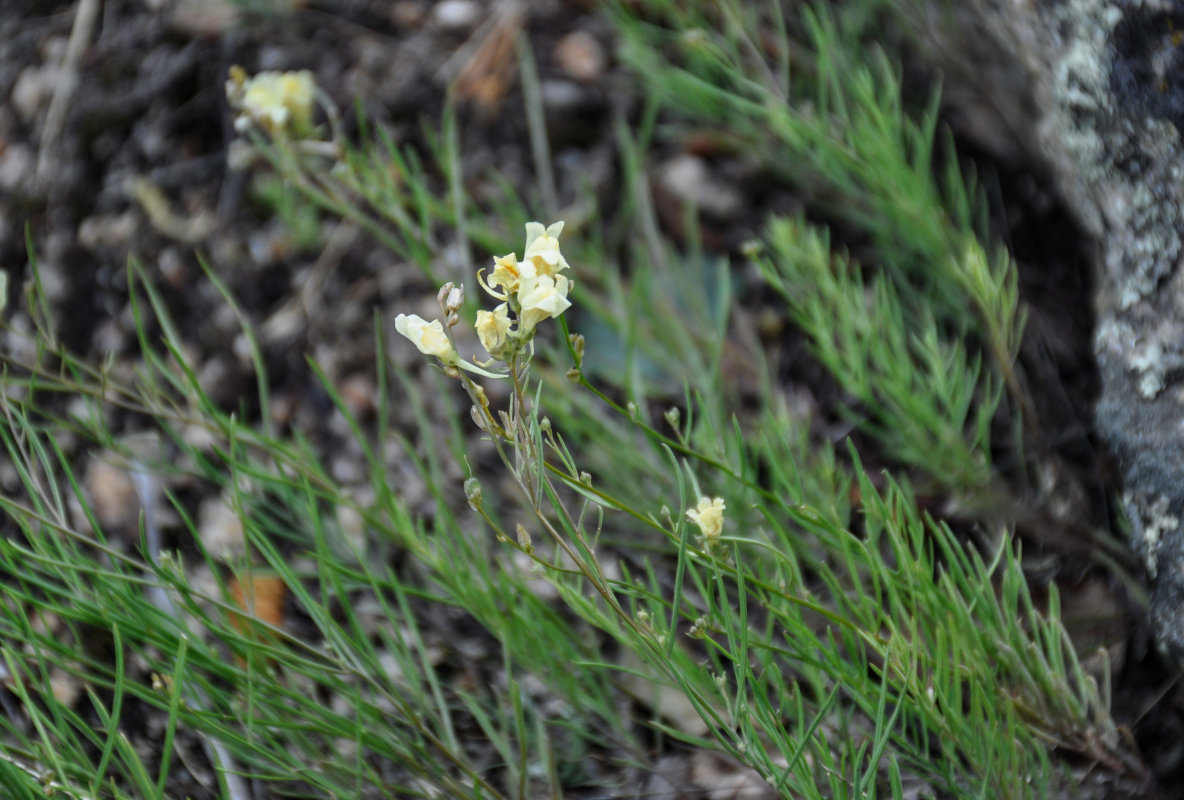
<point x="673" y="415"/>
<point x="577" y="346"/>
<point x="473" y="493"/>
<point x="451" y="297"/>
<point x="524" y="538"/>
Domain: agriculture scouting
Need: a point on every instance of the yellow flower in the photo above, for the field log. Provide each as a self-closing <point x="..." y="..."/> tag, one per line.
<point x="429" y="337"/>
<point x="709" y="516"/>
<point x="506" y="274"/>
<point x="542" y="248"/>
<point x="492" y="327"/>
<point x="278" y="101"/>
<point x="540" y="297"/>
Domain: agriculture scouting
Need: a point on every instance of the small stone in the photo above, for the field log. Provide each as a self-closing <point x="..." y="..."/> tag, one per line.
<point x="205" y="18"/>
<point x="220" y="380"/>
<point x="348" y="469"/>
<point x="220" y="529"/>
<point x="107" y="230"/>
<point x="409" y="15"/>
<point x="199" y="437"/>
<point x="457" y="15"/>
<point x="359" y="394"/>
<point x="173" y="267"/>
<point x="580" y="55"/>
<point x="113" y="496"/>
<point x="32" y="91"/>
<point x="561" y="96"/>
<point x="65" y="687"/>
<point x="18" y="165"/>
<point x="281" y="408"/>
<point x="688" y="177"/>
<point x="108" y="337"/>
<point x="724" y="779"/>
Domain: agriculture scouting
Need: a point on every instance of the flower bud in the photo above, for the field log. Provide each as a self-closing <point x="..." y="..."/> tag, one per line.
<point x="577" y="346"/>
<point x="473" y="493"/>
<point x="523" y="538"/>
<point x="451" y="297"/>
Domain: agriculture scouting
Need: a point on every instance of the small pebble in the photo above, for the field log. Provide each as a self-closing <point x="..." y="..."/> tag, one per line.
<point x="721" y="779"/>
<point x="408" y="14"/>
<point x="113" y="496"/>
<point x="689" y="177"/>
<point x="108" y="230"/>
<point x="561" y="95"/>
<point x="32" y="90"/>
<point x="220" y="529"/>
<point x="219" y="379"/>
<point x="18" y="165"/>
<point x="359" y="394"/>
<point x="204" y="18"/>
<point x="65" y="687"/>
<point x="580" y="55"/>
<point x="457" y="15"/>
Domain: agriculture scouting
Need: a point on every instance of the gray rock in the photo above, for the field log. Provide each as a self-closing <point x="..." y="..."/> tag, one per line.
<point x="1096" y="88"/>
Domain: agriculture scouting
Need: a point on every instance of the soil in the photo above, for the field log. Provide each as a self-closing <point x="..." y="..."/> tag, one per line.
<point x="125" y="152"/>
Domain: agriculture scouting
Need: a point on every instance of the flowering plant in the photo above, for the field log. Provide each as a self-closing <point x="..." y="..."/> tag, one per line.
<point x="708" y="514"/>
<point x="531" y="290"/>
<point x="278" y="102"/>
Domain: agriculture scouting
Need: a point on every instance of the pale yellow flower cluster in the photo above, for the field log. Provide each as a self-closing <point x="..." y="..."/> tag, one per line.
<point x="534" y="287"/>
<point x="531" y="290"/>
<point x="709" y="516"/>
<point x="277" y="102"/>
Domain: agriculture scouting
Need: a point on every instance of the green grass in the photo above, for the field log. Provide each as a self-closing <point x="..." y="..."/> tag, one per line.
<point x="837" y="639"/>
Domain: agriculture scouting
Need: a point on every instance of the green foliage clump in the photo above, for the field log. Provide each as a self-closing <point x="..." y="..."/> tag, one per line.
<point x="825" y="631"/>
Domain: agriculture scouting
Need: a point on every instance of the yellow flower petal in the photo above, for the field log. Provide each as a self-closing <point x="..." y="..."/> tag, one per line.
<point x="429" y="337"/>
<point x="542" y="248"/>
<point x="541" y="297"/>
<point x="709" y="516"/>
<point x="493" y="328"/>
<point x="280" y="101"/>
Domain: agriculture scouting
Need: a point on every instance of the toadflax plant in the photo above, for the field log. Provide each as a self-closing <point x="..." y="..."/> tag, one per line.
<point x="827" y="660"/>
<point x="837" y="656"/>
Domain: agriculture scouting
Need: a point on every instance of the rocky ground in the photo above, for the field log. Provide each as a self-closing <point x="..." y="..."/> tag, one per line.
<point x="114" y="142"/>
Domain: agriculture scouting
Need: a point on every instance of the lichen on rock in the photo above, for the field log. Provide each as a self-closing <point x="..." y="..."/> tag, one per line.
<point x="1105" y="80"/>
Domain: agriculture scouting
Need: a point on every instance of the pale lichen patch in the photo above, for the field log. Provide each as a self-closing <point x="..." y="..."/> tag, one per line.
<point x="1149" y="523"/>
<point x="1147" y="360"/>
